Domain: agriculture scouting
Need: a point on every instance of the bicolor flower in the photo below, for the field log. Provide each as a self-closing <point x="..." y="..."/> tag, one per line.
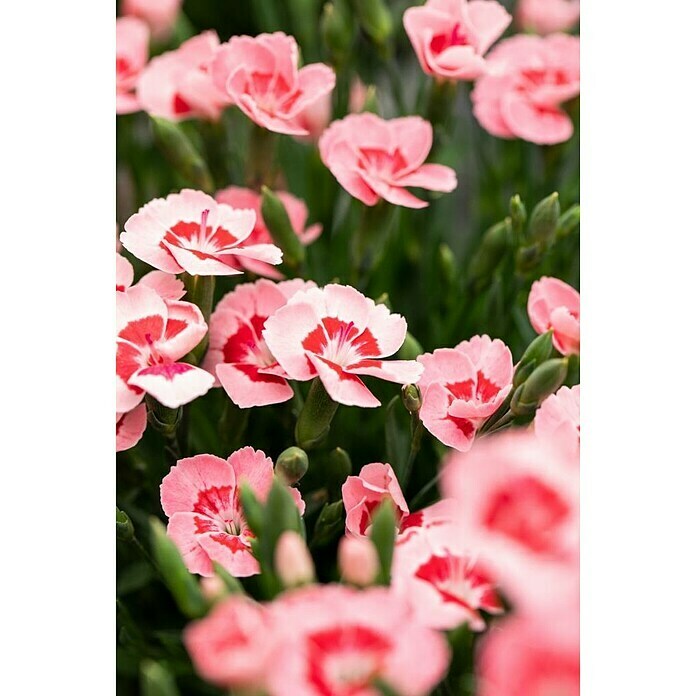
<point x="547" y="16"/>
<point x="237" y="353"/>
<point x="261" y="76"/>
<point x="528" y="79"/>
<point x="337" y="334"/>
<point x="189" y="231"/>
<point x="450" y="37"/>
<point x="177" y="85"/>
<point x="558" y="419"/>
<point x="159" y="14"/>
<point x="374" y="159"/>
<point x="462" y="386"/>
<point x="130" y="427"/>
<point x="167" y="286"/>
<point x="237" y="197"/>
<point x="200" y="495"/>
<point x="152" y="334"/>
<point x="132" y="39"/>
<point x="555" y="305"/>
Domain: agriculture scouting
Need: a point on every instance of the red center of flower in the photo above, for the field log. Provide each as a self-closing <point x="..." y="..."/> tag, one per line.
<point x="482" y="389"/>
<point x="340" y="342"/>
<point x="247" y="346"/>
<point x="456" y="37"/>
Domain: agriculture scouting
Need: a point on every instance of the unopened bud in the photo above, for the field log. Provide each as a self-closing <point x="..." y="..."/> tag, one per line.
<point x="544" y="219"/>
<point x="124" y="526"/>
<point x="411" y="397"/>
<point x="370" y="102"/>
<point x="410" y="348"/>
<point x="518" y="214"/>
<point x="213" y="589"/>
<point x="338" y="470"/>
<point x="358" y="561"/>
<point x="163" y="419"/>
<point x="337" y="29"/>
<point x="292" y="465"/>
<point x="544" y="381"/>
<point x="293" y="562"/>
<point x="494" y="245"/>
<point x="538" y="352"/>
<point x="375" y="19"/>
<point x="529" y="257"/>
<point x="278" y="223"/>
<point x="447" y="263"/>
<point x="568" y="221"/>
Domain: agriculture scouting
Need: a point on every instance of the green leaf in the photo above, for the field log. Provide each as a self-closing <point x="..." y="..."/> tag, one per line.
<point x="231" y="583"/>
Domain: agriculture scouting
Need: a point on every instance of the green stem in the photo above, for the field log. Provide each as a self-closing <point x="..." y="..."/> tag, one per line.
<point x="416" y="439"/>
<point x="200" y="291"/>
<point x="260" y="157"/>
<point x="315" y="418"/>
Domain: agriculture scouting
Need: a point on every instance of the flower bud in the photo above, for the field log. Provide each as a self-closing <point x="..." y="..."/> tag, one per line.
<point x="544" y="219"/>
<point x="518" y="214"/>
<point x="292" y="465"/>
<point x="529" y="257"/>
<point x="163" y="419"/>
<point x="494" y="245"/>
<point x="410" y="348"/>
<point x="278" y="223"/>
<point x="370" y="102"/>
<point x="156" y="680"/>
<point x="358" y="561"/>
<point x="544" y="381"/>
<point x="375" y="19"/>
<point x="337" y="29"/>
<point x="411" y="397"/>
<point x="213" y="589"/>
<point x="293" y="562"/>
<point x="124" y="526"/>
<point x="314" y="421"/>
<point x="338" y="470"/>
<point x="447" y="263"/>
<point x="537" y="352"/>
<point x="568" y="221"/>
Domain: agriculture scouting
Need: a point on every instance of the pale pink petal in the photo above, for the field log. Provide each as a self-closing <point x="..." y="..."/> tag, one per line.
<point x="253" y="467"/>
<point x="184" y="330"/>
<point x="341" y="386"/>
<point x="489" y="19"/>
<point x="399" y="371"/>
<point x="434" y="177"/>
<point x="231" y="552"/>
<point x="167" y="286"/>
<point x="543" y="126"/>
<point x="247" y="387"/>
<point x="195" y="265"/>
<point x="182" y="530"/>
<point x="173" y="384"/>
<point x="451" y="431"/>
<point x="130" y="427"/>
<point x="124" y="273"/>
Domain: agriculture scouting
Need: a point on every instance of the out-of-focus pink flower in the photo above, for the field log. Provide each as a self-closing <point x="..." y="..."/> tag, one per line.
<point x="178" y="85"/>
<point x="336" y="333"/>
<point x="375" y="159"/>
<point x="558" y="419"/>
<point x="363" y="494"/>
<point x="292" y="560"/>
<point x="189" y="231"/>
<point x="152" y="334"/>
<point x="462" y="386"/>
<point x="450" y="37"/>
<point x="260" y="75"/>
<point x="338" y="640"/>
<point x="237" y="352"/>
<point x="435" y="515"/>
<point x="555" y="305"/>
<point x="231" y="647"/>
<point x="130" y="427"/>
<point x="547" y="16"/>
<point x="132" y="39"/>
<point x="159" y="14"/>
<point x="200" y="495"/>
<point x="527" y="80"/>
<point x="167" y="286"/>
<point x="358" y="560"/>
<point x="237" y="197"/>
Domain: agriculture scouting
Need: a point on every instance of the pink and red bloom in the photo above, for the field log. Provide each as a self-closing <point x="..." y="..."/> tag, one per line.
<point x="237" y="197"/>
<point x="450" y="37"/>
<point x="200" y="496"/>
<point x="130" y="427"/>
<point x="167" y="286"/>
<point x="159" y="14"/>
<point x="527" y="80"/>
<point x="132" y="42"/>
<point x="260" y="75"/>
<point x="547" y="16"/>
<point x="237" y="353"/>
<point x="374" y="159"/>
<point x="462" y="386"/>
<point x="189" y="231"/>
<point x="336" y="333"/>
<point x="555" y="305"/>
<point x="558" y="419"/>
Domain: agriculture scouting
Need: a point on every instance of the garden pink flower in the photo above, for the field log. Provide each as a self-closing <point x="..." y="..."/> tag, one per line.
<point x="189" y="231"/>
<point x="167" y="286"/>
<point x="547" y="16"/>
<point x="132" y="40"/>
<point x="130" y="427"/>
<point x="374" y="159"/>
<point x="462" y="386"/>
<point x="178" y="85"/>
<point x="363" y="494"/>
<point x="261" y="76"/>
<point x="450" y="37"/>
<point x="237" y="197"/>
<point x="558" y="418"/>
<point x="336" y="333"/>
<point x="237" y="352"/>
<point x="555" y="305"/>
<point x="528" y="79"/>
<point x="338" y="640"/>
<point x="200" y="495"/>
<point x="438" y="514"/>
<point x="152" y="335"/>
<point x="159" y="14"/>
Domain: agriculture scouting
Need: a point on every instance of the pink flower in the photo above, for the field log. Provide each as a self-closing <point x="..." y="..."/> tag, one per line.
<point x="363" y="494"/>
<point x="558" y="419"/>
<point x="178" y="85"/>
<point x="167" y="286"/>
<point x="438" y="514"/>
<point x="555" y="305"/>
<point x="336" y="333"/>
<point x="159" y="14"/>
<point x="462" y="386"/>
<point x="189" y="231"/>
<point x="450" y="37"/>
<point x="238" y="354"/>
<point x="132" y="39"/>
<point x="237" y="197"/>
<point x="130" y="427"/>
<point x="200" y="495"/>
<point x="260" y="75"/>
<point x="152" y="335"/>
<point x="547" y="16"/>
<point x="337" y="640"/>
<point x="528" y="79"/>
<point x="358" y="560"/>
<point x="374" y="159"/>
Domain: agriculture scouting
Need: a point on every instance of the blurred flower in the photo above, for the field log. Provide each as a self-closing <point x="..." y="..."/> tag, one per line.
<point x="292" y="560"/>
<point x="358" y="561"/>
<point x="547" y="16"/>
<point x="528" y="79"/>
<point x="558" y="419"/>
<point x="178" y="85"/>
<point x="260" y="75"/>
<point x="374" y="159"/>
<point x="237" y="353"/>
<point x="462" y="386"/>
<point x="336" y="333"/>
<point x="555" y="305"/>
<point x="159" y="14"/>
<point x="450" y="37"/>
<point x="166" y="285"/>
<point x="440" y="513"/>
<point x="132" y="40"/>
<point x="130" y="427"/>
<point x="189" y="231"/>
<point x="237" y="197"/>
<point x="200" y="495"/>
<point x="363" y="494"/>
<point x="152" y="334"/>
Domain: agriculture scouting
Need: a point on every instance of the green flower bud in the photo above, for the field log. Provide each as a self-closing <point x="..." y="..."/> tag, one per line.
<point x="447" y="263"/>
<point x="339" y="468"/>
<point x="494" y="245"/>
<point x="544" y="219"/>
<point x="529" y="257"/>
<point x="375" y="19"/>
<point x="329" y="524"/>
<point x="568" y="221"/>
<point x="292" y="465"/>
<point x="371" y="104"/>
<point x="124" y="526"/>
<point x="156" y="680"/>
<point x="337" y="28"/>
<point x="518" y="214"/>
<point x="410" y="348"/>
<point x="278" y="223"/>
<point x="164" y="420"/>
<point x="411" y="397"/>
<point x="315" y="418"/>
<point x="544" y="381"/>
<point x="537" y="352"/>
